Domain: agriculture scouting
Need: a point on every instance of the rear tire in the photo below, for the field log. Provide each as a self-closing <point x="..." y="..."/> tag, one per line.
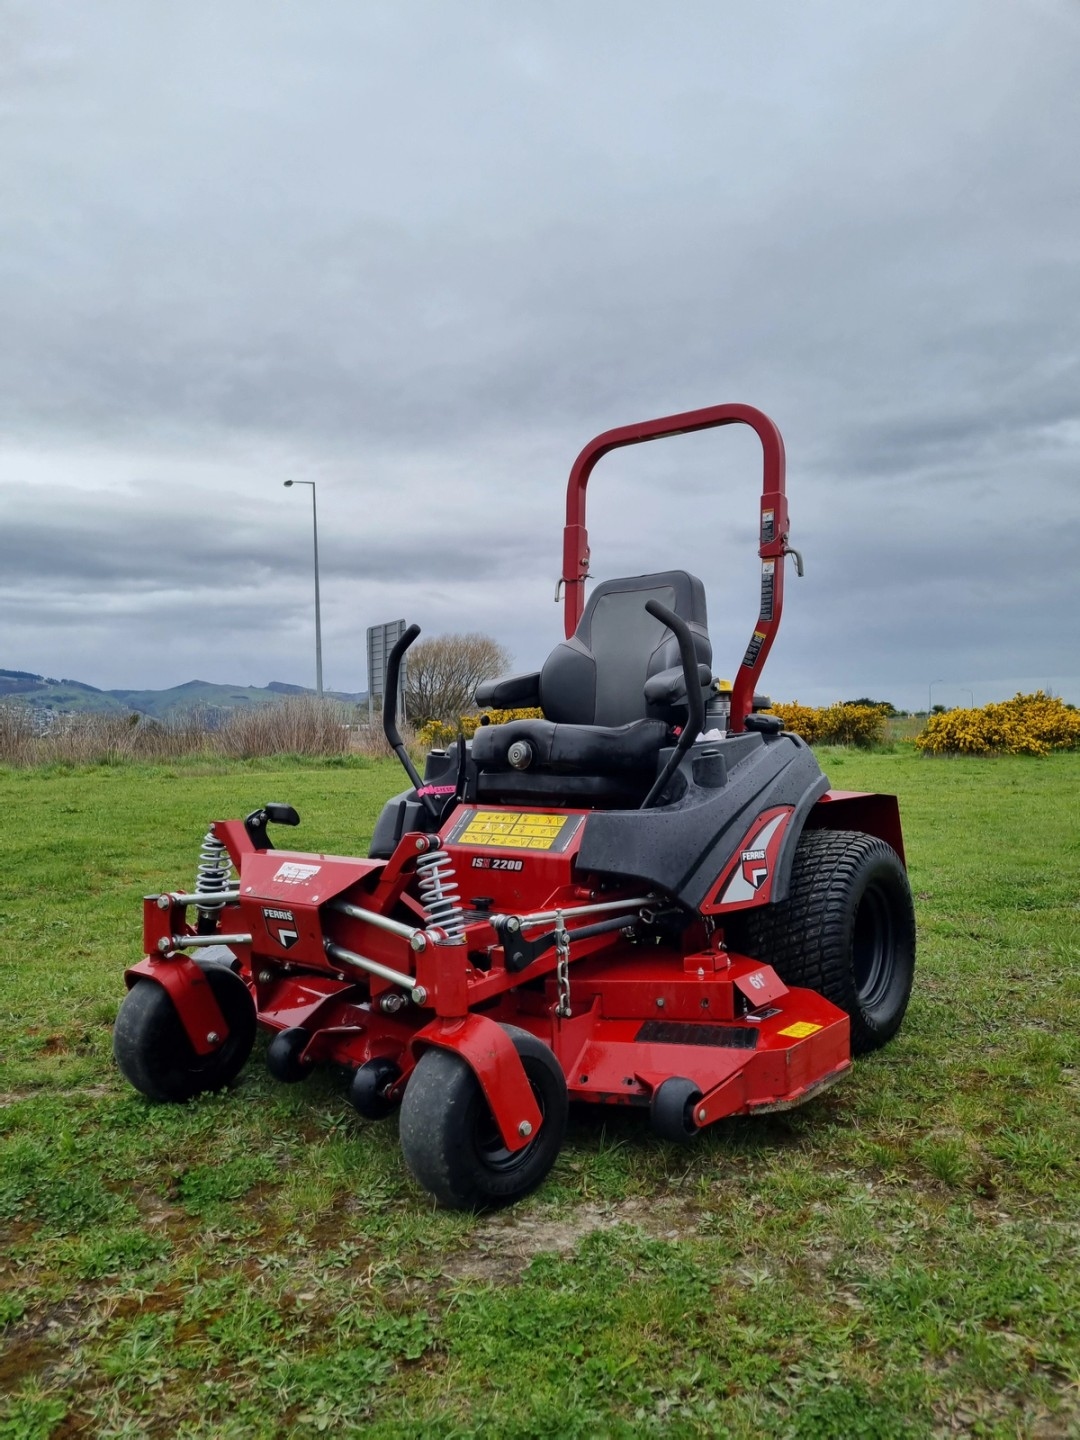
<point x="449" y="1137"/>
<point x="846" y="930"/>
<point x="152" y="1048"/>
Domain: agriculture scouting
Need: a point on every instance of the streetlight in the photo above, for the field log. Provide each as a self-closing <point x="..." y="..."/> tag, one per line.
<point x="318" y="623"/>
<point x="930" y="697"/>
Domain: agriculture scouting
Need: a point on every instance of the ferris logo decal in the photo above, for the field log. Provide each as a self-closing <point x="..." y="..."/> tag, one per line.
<point x="755" y="868"/>
<point x="281" y="925"/>
<point x="292" y="874"/>
<point x="495" y="862"/>
<point x="751" y="874"/>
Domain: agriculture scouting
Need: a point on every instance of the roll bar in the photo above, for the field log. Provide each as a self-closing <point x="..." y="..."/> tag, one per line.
<point x="773" y="531"/>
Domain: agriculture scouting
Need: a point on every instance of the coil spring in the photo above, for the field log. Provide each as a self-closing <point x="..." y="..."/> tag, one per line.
<point x="439" y="895"/>
<point x="212" y="877"/>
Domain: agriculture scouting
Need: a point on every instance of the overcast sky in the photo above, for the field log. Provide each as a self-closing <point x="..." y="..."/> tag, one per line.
<point x="420" y="253"/>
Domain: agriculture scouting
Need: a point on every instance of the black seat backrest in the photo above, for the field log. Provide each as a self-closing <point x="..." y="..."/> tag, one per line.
<point x="597" y="677"/>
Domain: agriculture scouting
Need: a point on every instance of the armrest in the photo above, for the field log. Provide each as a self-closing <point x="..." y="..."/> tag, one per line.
<point x="669" y="686"/>
<point x="515" y="692"/>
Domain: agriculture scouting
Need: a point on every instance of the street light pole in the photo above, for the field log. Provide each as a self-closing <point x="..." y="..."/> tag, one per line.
<point x="930" y="697"/>
<point x="318" y="619"/>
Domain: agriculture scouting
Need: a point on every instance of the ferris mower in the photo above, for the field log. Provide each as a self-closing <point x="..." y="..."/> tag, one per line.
<point x="650" y="897"/>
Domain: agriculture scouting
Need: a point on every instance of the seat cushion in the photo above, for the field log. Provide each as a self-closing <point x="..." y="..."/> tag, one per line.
<point x="573" y="749"/>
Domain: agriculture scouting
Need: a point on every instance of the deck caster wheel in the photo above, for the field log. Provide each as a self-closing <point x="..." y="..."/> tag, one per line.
<point x="672" y="1110"/>
<point x="368" y="1090"/>
<point x="283" y="1055"/>
<point x="152" y="1048"/>
<point x="451" y="1142"/>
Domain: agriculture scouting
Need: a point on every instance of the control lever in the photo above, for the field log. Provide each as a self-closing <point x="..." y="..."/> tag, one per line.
<point x="389" y="715"/>
<point x="255" y="824"/>
<point x="695" y="723"/>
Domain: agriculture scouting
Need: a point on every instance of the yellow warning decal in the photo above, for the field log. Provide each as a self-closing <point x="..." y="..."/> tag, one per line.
<point x="800" y="1029"/>
<point x="512" y="830"/>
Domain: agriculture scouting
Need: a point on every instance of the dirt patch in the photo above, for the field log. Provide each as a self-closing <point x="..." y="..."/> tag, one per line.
<point x="25" y="1356"/>
<point x="501" y="1247"/>
<point x="86" y="1092"/>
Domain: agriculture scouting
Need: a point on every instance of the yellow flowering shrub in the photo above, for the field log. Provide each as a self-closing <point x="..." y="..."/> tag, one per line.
<point x="804" y="720"/>
<point x="827" y="725"/>
<point x="834" y="724"/>
<point x="1025" y="725"/>
<point x="436" y="734"/>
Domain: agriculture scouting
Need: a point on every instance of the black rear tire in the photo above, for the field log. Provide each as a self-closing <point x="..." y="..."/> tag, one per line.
<point x="847" y="930"/>
<point x="449" y="1137"/>
<point x="152" y="1048"/>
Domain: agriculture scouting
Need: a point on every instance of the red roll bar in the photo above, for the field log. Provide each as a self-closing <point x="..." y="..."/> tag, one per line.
<point x="773" y="533"/>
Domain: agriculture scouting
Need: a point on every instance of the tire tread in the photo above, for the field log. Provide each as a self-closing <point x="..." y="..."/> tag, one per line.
<point x="805" y="938"/>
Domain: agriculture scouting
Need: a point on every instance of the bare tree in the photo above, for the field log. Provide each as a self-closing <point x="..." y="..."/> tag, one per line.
<point x="441" y="674"/>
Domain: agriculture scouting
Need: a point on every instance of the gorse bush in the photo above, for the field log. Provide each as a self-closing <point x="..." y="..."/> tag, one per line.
<point x="847" y="724"/>
<point x="1025" y="725"/>
<point x="436" y="734"/>
<point x="850" y="724"/>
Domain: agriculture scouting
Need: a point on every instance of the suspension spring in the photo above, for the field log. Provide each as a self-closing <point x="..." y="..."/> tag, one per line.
<point x="439" y="895"/>
<point x="211" y="880"/>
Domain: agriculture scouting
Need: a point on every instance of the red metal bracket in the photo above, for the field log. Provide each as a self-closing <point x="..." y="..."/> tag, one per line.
<point x="760" y="984"/>
<point x="191" y="995"/>
<point x="490" y="1053"/>
<point x="853" y="810"/>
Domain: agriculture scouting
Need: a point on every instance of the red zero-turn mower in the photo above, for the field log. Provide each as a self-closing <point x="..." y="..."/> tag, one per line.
<point x="650" y="897"/>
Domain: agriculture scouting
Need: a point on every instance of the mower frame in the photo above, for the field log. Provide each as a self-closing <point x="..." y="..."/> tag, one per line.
<point x="655" y="957"/>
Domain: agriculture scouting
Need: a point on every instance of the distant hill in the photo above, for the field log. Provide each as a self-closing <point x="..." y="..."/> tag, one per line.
<point x="73" y="697"/>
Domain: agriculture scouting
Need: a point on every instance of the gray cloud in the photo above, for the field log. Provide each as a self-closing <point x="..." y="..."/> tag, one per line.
<point x="421" y="253"/>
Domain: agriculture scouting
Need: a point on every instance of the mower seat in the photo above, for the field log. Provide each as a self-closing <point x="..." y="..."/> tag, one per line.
<point x="610" y="695"/>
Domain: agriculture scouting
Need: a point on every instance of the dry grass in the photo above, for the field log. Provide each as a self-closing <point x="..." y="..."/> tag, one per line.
<point x="16" y="735"/>
<point x="299" y="725"/>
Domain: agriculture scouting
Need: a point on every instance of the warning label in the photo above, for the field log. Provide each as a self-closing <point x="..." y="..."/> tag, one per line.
<point x="768" y="578"/>
<point x="801" y="1029"/>
<point x="753" y="650"/>
<point x="514" y="830"/>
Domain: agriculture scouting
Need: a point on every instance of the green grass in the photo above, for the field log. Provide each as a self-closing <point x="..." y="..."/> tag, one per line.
<point x="898" y="1258"/>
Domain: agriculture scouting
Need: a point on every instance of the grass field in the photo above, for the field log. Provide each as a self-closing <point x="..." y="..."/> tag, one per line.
<point x="900" y="1257"/>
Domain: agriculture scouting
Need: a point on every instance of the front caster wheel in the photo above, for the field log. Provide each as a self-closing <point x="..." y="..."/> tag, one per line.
<point x="671" y="1110"/>
<point x="152" y="1048"/>
<point x="451" y="1142"/>
<point x="284" y="1052"/>
<point x="368" y="1090"/>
